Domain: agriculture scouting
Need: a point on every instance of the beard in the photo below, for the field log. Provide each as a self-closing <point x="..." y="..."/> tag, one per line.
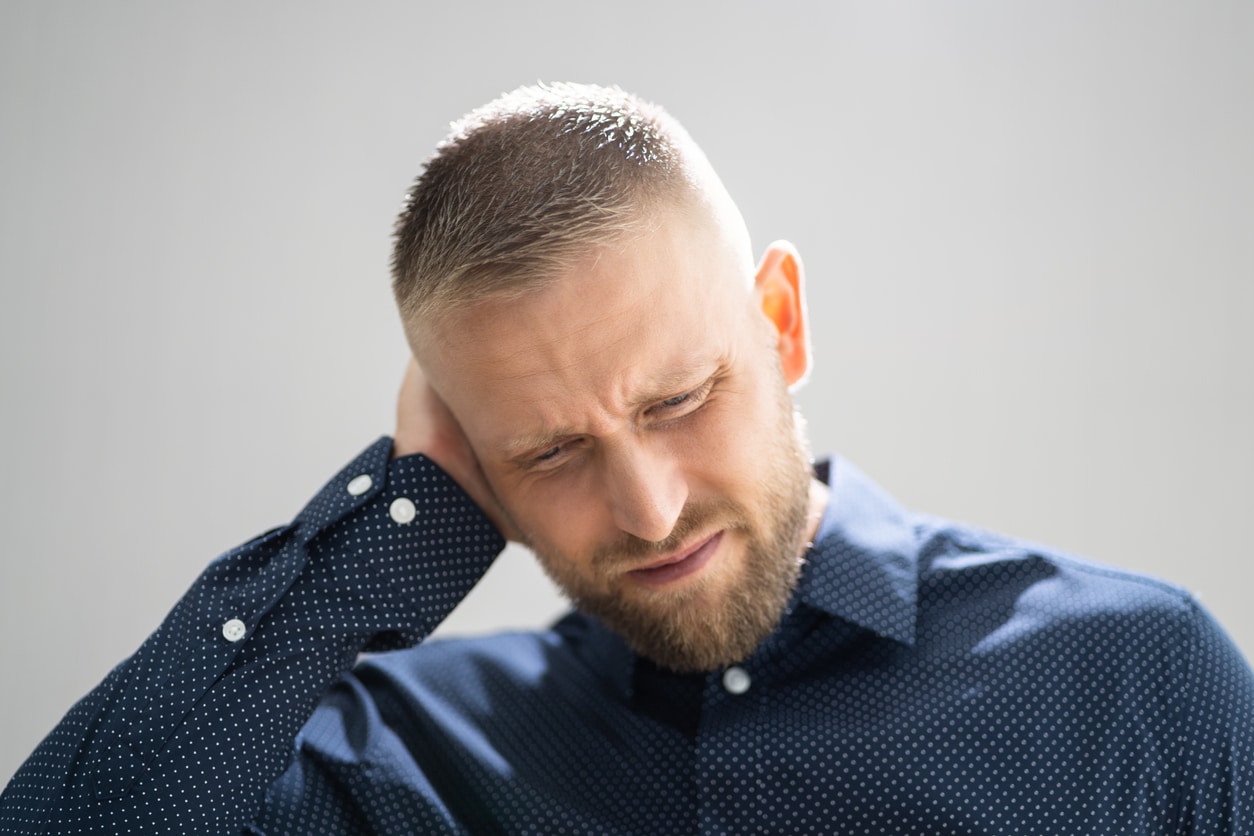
<point x="719" y="617"/>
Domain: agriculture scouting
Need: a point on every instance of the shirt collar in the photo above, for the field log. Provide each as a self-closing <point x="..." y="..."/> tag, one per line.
<point x="861" y="568"/>
<point x="863" y="565"/>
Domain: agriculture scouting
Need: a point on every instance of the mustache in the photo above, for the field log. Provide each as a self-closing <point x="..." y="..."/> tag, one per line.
<point x="697" y="516"/>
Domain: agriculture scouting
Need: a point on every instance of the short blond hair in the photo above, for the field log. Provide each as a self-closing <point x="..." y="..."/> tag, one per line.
<point x="524" y="185"/>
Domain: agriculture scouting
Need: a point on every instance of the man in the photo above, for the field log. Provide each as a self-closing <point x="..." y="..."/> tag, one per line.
<point x="602" y="374"/>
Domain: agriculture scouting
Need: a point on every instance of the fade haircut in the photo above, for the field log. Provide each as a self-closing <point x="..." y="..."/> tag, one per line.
<point x="525" y="185"/>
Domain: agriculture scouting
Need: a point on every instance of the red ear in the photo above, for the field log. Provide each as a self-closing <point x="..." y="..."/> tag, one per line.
<point x="781" y="296"/>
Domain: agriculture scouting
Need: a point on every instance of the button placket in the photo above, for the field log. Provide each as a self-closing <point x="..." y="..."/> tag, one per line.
<point x="403" y="510"/>
<point x="736" y="680"/>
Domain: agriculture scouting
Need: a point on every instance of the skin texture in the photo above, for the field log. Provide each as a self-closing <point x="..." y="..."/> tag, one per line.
<point x="631" y="423"/>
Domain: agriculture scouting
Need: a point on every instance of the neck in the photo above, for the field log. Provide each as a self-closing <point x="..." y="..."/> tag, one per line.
<point x="819" y="495"/>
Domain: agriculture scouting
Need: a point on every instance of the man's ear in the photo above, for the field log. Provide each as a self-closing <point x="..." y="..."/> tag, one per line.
<point x="779" y="288"/>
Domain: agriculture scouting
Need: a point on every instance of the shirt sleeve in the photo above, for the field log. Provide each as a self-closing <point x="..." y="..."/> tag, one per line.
<point x="187" y="734"/>
<point x="1218" y="741"/>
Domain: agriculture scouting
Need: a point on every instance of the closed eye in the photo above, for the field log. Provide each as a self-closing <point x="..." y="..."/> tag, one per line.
<point x="681" y="404"/>
<point x="554" y="456"/>
<point x="551" y="453"/>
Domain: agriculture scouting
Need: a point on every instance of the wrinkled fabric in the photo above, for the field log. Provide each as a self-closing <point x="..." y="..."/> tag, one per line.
<point x="927" y="678"/>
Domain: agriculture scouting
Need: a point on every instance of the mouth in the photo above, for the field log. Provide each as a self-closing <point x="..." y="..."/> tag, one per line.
<point x="679" y="564"/>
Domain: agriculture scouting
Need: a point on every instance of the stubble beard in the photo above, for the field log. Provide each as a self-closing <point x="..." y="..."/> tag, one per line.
<point x="706" y="624"/>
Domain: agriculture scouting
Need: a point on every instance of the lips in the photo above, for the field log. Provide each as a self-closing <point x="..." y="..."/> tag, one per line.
<point x="680" y="564"/>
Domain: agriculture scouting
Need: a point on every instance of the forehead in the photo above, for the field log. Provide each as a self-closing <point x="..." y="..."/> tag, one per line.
<point x="633" y="319"/>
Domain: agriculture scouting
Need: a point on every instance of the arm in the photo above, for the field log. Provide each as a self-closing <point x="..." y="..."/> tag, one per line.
<point x="1217" y="708"/>
<point x="188" y="733"/>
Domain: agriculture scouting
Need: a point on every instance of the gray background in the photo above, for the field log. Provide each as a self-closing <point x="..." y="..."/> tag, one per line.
<point x="1028" y="228"/>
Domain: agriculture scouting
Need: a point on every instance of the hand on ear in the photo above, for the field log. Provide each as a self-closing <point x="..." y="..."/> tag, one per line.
<point x="424" y="424"/>
<point x="779" y="287"/>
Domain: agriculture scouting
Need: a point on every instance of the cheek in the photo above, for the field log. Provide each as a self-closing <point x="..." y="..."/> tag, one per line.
<point x="735" y="433"/>
<point x="561" y="516"/>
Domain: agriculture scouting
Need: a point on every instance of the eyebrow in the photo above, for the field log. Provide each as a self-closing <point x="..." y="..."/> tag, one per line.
<point x="665" y="385"/>
<point x="523" y="446"/>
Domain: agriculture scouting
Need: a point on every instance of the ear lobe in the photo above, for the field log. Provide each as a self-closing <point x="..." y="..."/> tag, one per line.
<point x="779" y="287"/>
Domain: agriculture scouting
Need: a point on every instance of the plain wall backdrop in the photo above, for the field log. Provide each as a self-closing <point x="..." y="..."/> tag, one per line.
<point x="1028" y="229"/>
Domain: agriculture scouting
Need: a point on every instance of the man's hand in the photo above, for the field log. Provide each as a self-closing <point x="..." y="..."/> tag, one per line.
<point x="425" y="425"/>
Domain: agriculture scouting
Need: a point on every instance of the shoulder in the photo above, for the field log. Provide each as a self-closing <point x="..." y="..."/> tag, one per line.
<point x="955" y="552"/>
<point x="1016" y="587"/>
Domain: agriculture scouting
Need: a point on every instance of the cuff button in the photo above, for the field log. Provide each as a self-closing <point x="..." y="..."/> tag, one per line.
<point x="234" y="630"/>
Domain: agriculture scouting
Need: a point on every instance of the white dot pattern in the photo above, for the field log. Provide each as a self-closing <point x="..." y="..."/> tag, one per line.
<point x="928" y="679"/>
<point x="187" y="734"/>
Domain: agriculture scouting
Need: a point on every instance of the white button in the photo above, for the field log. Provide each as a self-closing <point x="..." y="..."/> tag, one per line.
<point x="360" y="485"/>
<point x="403" y="510"/>
<point x="234" y="630"/>
<point x="736" y="680"/>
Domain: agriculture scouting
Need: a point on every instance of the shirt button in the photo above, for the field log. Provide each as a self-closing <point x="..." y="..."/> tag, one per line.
<point x="234" y="630"/>
<point x="403" y="510"/>
<point x="736" y="680"/>
<point x="360" y="485"/>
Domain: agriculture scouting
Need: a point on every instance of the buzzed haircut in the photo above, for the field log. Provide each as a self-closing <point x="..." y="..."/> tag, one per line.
<point x="523" y="186"/>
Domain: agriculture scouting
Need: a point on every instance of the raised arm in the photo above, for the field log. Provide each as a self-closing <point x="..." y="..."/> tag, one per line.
<point x="187" y="734"/>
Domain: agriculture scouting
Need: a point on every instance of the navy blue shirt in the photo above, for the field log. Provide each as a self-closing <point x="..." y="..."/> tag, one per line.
<point x="927" y="678"/>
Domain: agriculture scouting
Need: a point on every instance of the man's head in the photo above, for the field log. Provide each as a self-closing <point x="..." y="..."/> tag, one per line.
<point x="525" y="184"/>
<point x="618" y="365"/>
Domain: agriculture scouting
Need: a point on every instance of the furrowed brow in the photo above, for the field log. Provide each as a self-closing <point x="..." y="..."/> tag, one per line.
<point x="677" y="381"/>
<point x="543" y="440"/>
<point x="663" y="385"/>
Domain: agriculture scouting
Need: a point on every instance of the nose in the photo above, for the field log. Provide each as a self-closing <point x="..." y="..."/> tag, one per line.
<point x="646" y="489"/>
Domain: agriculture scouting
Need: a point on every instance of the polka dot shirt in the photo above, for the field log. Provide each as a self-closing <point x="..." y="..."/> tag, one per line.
<point x="928" y="678"/>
